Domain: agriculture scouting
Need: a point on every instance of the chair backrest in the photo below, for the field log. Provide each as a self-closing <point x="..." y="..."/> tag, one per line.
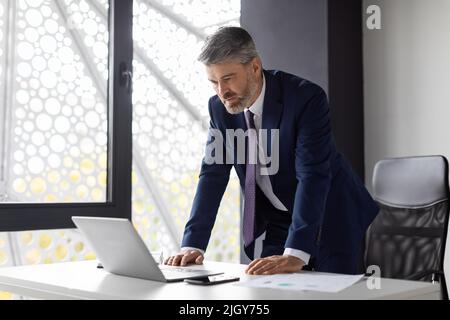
<point x="409" y="234"/>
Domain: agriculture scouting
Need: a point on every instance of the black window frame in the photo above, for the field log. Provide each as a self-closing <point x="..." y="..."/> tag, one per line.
<point x="35" y="216"/>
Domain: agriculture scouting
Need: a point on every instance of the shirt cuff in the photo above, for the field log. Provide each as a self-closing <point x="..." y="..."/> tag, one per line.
<point x="298" y="253"/>
<point x="193" y="248"/>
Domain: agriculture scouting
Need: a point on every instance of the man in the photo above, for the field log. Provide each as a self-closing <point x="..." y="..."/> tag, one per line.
<point x="314" y="209"/>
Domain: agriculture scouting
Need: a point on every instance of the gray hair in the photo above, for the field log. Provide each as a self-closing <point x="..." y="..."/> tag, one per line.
<point x="228" y="43"/>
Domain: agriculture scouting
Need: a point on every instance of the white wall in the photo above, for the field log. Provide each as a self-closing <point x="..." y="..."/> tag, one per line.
<point x="407" y="80"/>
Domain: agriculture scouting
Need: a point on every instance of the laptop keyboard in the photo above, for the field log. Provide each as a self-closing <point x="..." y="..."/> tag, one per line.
<point x="178" y="270"/>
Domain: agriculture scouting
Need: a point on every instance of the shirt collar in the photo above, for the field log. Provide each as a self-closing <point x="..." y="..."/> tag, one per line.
<point x="257" y="106"/>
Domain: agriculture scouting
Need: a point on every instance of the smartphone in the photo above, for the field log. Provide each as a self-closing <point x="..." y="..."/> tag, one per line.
<point x="209" y="280"/>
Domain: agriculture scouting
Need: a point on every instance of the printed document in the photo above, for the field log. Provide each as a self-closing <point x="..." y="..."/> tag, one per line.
<point x="312" y="281"/>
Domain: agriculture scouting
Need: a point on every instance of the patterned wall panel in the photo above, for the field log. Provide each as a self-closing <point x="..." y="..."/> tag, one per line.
<point x="58" y="119"/>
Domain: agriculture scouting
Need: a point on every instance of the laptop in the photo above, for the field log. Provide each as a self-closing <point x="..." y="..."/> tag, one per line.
<point x="121" y="251"/>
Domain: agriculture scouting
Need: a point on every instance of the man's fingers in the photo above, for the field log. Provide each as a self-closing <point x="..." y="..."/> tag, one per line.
<point x="272" y="269"/>
<point x="199" y="259"/>
<point x="252" y="264"/>
<point x="176" y="260"/>
<point x="169" y="260"/>
<point x="259" y="269"/>
<point x="187" y="257"/>
<point x="275" y="264"/>
<point x="190" y="256"/>
<point x="265" y="268"/>
<point x="257" y="265"/>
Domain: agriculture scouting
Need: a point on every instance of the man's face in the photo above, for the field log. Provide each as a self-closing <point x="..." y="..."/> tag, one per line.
<point x="236" y="84"/>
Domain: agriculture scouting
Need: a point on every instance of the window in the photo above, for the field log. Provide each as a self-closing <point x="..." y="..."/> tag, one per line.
<point x="65" y="138"/>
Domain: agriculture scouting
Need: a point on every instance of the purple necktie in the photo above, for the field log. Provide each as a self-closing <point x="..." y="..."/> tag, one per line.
<point x="250" y="182"/>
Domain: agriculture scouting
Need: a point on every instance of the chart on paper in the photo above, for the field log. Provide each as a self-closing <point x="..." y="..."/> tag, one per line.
<point x="311" y="281"/>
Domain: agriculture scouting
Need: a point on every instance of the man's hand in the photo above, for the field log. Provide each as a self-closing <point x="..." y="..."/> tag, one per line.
<point x="275" y="264"/>
<point x="185" y="257"/>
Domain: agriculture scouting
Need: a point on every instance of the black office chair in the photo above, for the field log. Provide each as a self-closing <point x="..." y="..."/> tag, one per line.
<point x="407" y="239"/>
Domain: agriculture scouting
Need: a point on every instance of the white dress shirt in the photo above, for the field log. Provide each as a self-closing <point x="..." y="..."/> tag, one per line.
<point x="263" y="181"/>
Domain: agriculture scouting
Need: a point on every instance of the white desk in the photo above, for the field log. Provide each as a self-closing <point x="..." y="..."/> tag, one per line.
<point x="83" y="280"/>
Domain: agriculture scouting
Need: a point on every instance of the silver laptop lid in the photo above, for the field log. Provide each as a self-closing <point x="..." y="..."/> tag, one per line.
<point x="119" y="247"/>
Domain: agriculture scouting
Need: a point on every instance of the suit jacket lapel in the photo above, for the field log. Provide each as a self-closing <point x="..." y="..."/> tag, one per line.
<point x="272" y="109"/>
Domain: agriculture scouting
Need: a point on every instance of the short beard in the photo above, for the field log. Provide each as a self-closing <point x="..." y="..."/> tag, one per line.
<point x="245" y="100"/>
<point x="236" y="109"/>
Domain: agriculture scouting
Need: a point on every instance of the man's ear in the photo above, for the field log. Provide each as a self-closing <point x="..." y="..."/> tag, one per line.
<point x="257" y="65"/>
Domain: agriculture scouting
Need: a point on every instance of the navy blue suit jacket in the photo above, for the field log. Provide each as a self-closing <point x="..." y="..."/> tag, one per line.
<point x="328" y="204"/>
